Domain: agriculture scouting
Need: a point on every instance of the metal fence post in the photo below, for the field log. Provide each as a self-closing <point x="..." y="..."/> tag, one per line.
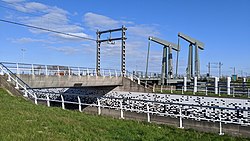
<point x="48" y="102"/>
<point x="32" y="69"/>
<point x="17" y="85"/>
<point x="219" y="90"/>
<point x="46" y="70"/>
<point x="161" y="88"/>
<point x="35" y="99"/>
<point x="63" y="106"/>
<point x="228" y="85"/>
<point x="233" y="92"/>
<point x="206" y="90"/>
<point x="9" y="78"/>
<point x="148" y="114"/>
<point x="182" y="91"/>
<point x="181" y="125"/>
<point x="79" y="72"/>
<point x="80" y="104"/>
<point x="17" y="69"/>
<point x="248" y="92"/>
<point x="58" y="71"/>
<point x="171" y="90"/>
<point x="195" y="85"/>
<point x="110" y="74"/>
<point x="69" y="71"/>
<point x="122" y="117"/>
<point x="99" y="106"/>
<point x="216" y="79"/>
<point x="25" y="92"/>
<point x="87" y="72"/>
<point x="185" y="84"/>
<point x="131" y="77"/>
<point x="115" y="73"/>
<point x="221" y="132"/>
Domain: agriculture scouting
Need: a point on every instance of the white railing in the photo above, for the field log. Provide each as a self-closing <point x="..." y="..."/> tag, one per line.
<point x="38" y="69"/>
<point x="15" y="80"/>
<point x="149" y="107"/>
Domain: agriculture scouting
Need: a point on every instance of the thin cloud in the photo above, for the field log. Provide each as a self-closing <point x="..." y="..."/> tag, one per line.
<point x="65" y="50"/>
<point x="30" y="40"/>
<point x="97" y="21"/>
<point x="48" y="17"/>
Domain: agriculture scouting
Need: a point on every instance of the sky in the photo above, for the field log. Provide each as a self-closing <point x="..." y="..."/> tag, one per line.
<point x="222" y="25"/>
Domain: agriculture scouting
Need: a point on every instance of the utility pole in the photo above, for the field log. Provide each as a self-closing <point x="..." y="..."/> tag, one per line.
<point x="220" y="64"/>
<point x="209" y="68"/>
<point x="233" y="68"/>
<point x="22" y="50"/>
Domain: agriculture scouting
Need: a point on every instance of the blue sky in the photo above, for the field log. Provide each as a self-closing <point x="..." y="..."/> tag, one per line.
<point x="222" y="25"/>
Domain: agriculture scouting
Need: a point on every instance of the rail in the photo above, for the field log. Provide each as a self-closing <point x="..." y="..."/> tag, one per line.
<point x="39" y="69"/>
<point x="14" y="79"/>
<point x="151" y="107"/>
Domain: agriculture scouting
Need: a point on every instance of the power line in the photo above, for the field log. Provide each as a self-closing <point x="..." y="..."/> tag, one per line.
<point x="26" y="13"/>
<point x="31" y="14"/>
<point x="45" y="29"/>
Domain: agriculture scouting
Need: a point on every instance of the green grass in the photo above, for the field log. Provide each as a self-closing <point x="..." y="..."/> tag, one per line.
<point x="22" y="120"/>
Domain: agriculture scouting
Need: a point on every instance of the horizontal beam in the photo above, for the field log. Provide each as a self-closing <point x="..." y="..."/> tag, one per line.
<point x="191" y="40"/>
<point x="112" y="39"/>
<point x="112" y="30"/>
<point x="164" y="43"/>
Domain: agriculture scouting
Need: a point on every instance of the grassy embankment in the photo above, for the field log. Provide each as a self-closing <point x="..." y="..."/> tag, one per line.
<point x="22" y="120"/>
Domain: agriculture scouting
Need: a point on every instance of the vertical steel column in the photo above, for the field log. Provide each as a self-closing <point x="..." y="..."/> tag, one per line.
<point x="123" y="69"/>
<point x="164" y="64"/>
<point x="190" y="62"/>
<point x="197" y="62"/>
<point x="177" y="58"/>
<point x="146" y="75"/>
<point x="170" y="63"/>
<point x="98" y="52"/>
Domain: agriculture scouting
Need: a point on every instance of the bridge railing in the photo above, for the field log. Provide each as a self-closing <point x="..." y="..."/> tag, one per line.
<point x="151" y="107"/>
<point x="38" y="69"/>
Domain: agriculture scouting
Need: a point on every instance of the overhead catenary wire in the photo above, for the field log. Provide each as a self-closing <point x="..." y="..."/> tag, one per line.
<point x="26" y="13"/>
<point x="45" y="29"/>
